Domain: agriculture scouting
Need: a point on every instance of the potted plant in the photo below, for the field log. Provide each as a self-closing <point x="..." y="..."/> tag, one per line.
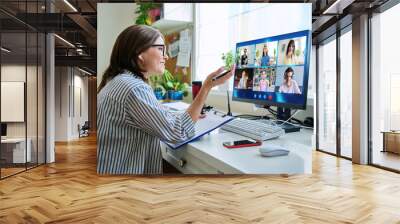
<point x="229" y="59"/>
<point x="144" y="15"/>
<point x="168" y="87"/>
<point x="174" y="87"/>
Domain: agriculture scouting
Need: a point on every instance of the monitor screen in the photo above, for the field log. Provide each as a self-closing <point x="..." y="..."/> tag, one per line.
<point x="3" y="129"/>
<point x="273" y="70"/>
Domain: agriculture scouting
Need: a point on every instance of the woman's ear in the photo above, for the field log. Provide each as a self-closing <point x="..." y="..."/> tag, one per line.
<point x="141" y="57"/>
<point x="140" y="61"/>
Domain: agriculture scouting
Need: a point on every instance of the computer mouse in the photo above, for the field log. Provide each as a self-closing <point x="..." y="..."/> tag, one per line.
<point x="273" y="150"/>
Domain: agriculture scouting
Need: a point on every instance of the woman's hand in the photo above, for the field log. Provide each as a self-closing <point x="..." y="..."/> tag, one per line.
<point x="209" y="83"/>
<point x="194" y="109"/>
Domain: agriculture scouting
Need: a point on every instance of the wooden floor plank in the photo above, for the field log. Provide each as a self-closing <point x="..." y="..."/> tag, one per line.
<point x="70" y="191"/>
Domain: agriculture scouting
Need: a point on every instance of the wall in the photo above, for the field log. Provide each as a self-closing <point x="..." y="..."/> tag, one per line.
<point x="71" y="102"/>
<point x="33" y="126"/>
<point x="80" y="112"/>
<point x="360" y="90"/>
<point x="112" y="18"/>
<point x="61" y="103"/>
<point x="92" y="98"/>
<point x="15" y="72"/>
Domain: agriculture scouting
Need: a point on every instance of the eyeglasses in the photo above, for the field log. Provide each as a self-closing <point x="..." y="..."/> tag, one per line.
<point x="161" y="47"/>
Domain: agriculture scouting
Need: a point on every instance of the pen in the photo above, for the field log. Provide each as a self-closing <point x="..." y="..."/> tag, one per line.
<point x="221" y="75"/>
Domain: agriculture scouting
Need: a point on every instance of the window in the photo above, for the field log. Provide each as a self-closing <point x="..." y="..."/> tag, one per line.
<point x="346" y="94"/>
<point x="22" y="65"/>
<point x="327" y="96"/>
<point x="385" y="84"/>
<point x="240" y="22"/>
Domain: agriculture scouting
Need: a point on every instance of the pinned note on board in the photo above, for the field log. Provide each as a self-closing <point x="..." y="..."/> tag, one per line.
<point x="184" y="49"/>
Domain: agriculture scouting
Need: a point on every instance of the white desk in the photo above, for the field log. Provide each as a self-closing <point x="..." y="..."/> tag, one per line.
<point x="208" y="156"/>
<point x="16" y="148"/>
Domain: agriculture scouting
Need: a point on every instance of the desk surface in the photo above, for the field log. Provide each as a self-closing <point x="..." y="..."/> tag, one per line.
<point x="248" y="160"/>
<point x="13" y="140"/>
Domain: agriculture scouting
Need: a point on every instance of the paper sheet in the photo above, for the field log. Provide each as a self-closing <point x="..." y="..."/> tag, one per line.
<point x="177" y="106"/>
<point x="185" y="47"/>
<point x="173" y="49"/>
<point x="183" y="60"/>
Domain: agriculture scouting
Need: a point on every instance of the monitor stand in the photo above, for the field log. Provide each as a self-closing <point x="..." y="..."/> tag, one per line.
<point x="284" y="114"/>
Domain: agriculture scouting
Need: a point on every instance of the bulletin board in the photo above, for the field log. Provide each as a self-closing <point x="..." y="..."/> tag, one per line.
<point x="182" y="73"/>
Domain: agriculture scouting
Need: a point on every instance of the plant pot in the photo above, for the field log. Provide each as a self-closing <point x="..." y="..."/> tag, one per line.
<point x="159" y="95"/>
<point x="175" y="95"/>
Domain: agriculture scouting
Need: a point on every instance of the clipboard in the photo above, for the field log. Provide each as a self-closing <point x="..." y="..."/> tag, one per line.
<point x="203" y="126"/>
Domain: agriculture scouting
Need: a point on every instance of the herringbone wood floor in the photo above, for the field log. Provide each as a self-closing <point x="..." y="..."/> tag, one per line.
<point x="70" y="191"/>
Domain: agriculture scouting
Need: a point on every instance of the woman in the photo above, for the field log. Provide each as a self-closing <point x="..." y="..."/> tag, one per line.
<point x="131" y="121"/>
<point x="264" y="83"/>
<point x="265" y="57"/>
<point x="243" y="81"/>
<point x="290" y="56"/>
<point x="244" y="58"/>
<point x="289" y="85"/>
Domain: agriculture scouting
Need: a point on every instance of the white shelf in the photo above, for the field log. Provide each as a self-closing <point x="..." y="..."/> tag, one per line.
<point x="169" y="26"/>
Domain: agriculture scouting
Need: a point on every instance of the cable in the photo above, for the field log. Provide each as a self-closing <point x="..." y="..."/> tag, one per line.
<point x="297" y="121"/>
<point x="284" y="122"/>
<point x="273" y="112"/>
<point x="297" y="125"/>
<point x="300" y="124"/>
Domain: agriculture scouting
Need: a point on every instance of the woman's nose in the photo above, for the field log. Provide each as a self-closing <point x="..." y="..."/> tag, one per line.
<point x="166" y="57"/>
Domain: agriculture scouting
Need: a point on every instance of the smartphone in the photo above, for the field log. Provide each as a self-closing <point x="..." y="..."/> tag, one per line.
<point x="241" y="143"/>
<point x="221" y="75"/>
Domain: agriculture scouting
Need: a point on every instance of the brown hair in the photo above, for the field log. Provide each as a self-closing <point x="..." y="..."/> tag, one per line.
<point x="291" y="42"/>
<point x="129" y="45"/>
<point x="285" y="76"/>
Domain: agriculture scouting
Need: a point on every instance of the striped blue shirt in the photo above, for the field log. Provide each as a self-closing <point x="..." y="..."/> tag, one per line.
<point x="131" y="122"/>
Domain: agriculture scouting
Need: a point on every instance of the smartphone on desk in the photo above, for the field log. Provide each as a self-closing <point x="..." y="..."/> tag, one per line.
<point x="241" y="143"/>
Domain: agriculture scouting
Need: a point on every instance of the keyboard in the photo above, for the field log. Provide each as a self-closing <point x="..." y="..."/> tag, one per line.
<point x="253" y="129"/>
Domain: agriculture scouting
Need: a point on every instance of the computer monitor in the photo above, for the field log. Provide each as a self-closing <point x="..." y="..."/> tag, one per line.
<point x="3" y="129"/>
<point x="273" y="71"/>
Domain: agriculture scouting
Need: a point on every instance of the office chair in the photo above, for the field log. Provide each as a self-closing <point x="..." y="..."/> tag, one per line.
<point x="84" y="130"/>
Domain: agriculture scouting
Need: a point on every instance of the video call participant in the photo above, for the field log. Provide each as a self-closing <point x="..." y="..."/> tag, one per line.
<point x="243" y="80"/>
<point x="244" y="60"/>
<point x="263" y="83"/>
<point x="290" y="57"/>
<point x="265" y="57"/>
<point x="289" y="85"/>
<point x="131" y="121"/>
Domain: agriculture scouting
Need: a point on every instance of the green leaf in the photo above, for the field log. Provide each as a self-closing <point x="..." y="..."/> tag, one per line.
<point x="228" y="59"/>
<point x="184" y="86"/>
<point x="170" y="85"/>
<point x="143" y="12"/>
